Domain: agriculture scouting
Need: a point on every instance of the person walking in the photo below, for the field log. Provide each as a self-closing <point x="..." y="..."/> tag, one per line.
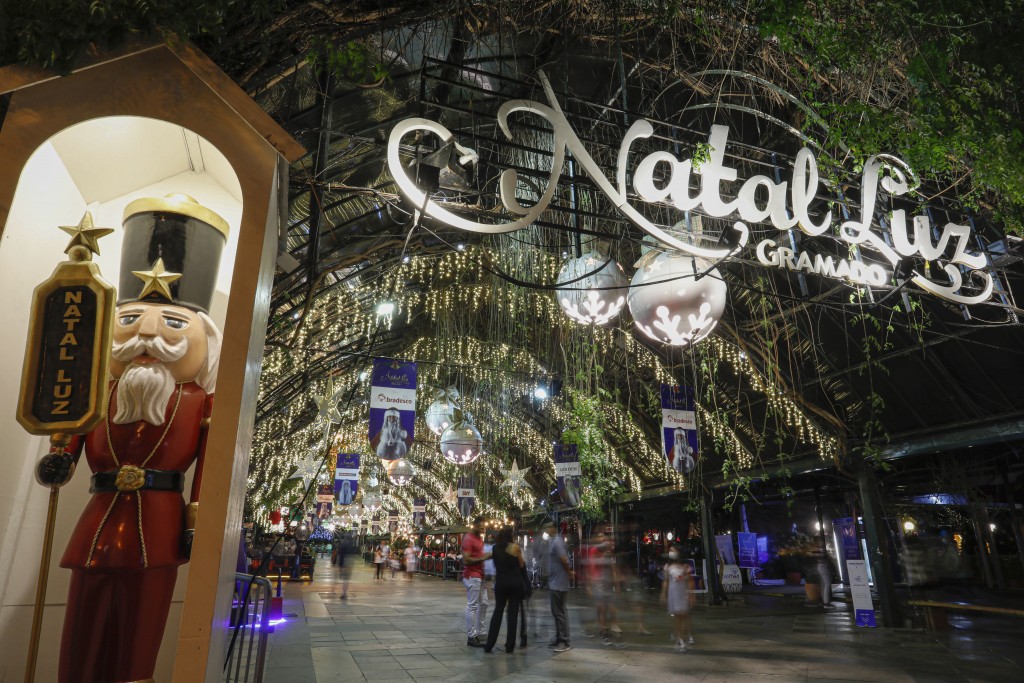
<point x="602" y="580"/>
<point x="559" y="576"/>
<point x="473" y="557"/>
<point x="411" y="558"/>
<point x="487" y="587"/>
<point x="508" y="589"/>
<point x="380" y="556"/>
<point x="677" y="593"/>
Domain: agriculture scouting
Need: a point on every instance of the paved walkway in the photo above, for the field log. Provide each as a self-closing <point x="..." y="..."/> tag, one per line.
<point x="413" y="630"/>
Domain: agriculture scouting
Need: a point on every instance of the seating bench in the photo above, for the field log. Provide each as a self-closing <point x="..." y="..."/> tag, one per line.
<point x="935" y="612"/>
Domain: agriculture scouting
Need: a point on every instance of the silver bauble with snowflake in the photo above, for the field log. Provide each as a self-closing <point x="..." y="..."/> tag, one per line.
<point x="676" y="308"/>
<point x="401" y="472"/>
<point x="440" y="415"/>
<point x="596" y="298"/>
<point x="461" y="443"/>
<point x="372" y="502"/>
<point x="355" y="510"/>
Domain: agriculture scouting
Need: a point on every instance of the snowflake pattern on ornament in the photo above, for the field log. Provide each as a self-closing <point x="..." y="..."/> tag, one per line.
<point x="700" y="326"/>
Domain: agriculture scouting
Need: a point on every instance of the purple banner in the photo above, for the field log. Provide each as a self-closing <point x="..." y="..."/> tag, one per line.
<point x="466" y="496"/>
<point x="679" y="428"/>
<point x="392" y="408"/>
<point x="346" y="478"/>
<point x="419" y="511"/>
<point x="568" y="473"/>
<point x="846" y="533"/>
<point x="323" y="510"/>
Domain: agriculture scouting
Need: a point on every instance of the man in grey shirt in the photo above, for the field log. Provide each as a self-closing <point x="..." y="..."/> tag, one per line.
<point x="559" y="575"/>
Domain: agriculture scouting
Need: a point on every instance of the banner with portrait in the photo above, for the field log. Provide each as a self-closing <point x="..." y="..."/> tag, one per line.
<point x="568" y="473"/>
<point x="419" y="511"/>
<point x="324" y="502"/>
<point x="392" y="521"/>
<point x="466" y="497"/>
<point x="679" y="428"/>
<point x="392" y="408"/>
<point x="346" y="478"/>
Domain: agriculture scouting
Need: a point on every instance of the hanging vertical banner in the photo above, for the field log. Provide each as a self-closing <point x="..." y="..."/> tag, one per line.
<point x="346" y="478"/>
<point x="568" y="473"/>
<point x="374" y="527"/>
<point x="324" y="501"/>
<point x="860" y="591"/>
<point x="747" y="543"/>
<point x="392" y="408"/>
<point x="845" y="530"/>
<point x="466" y="497"/>
<point x="392" y="521"/>
<point x="419" y="511"/>
<point x="679" y="428"/>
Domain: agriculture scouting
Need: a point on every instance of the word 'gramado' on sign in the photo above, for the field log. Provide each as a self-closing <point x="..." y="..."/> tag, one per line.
<point x="786" y="204"/>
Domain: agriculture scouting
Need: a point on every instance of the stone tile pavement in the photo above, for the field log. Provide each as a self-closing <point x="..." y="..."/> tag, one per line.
<point x="413" y="630"/>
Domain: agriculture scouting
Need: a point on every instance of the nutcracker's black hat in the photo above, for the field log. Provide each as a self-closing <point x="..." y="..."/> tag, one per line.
<point x="185" y="237"/>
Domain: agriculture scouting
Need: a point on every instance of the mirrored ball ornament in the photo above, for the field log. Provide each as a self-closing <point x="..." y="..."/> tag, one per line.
<point x="669" y="304"/>
<point x="440" y="415"/>
<point x="372" y="502"/>
<point x="355" y="510"/>
<point x="597" y="297"/>
<point x="461" y="443"/>
<point x="401" y="472"/>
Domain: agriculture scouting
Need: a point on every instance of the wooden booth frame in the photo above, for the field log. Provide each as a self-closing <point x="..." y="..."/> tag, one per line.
<point x="172" y="81"/>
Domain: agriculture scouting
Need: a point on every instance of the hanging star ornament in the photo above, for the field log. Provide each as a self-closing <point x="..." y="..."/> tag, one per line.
<point x="515" y="478"/>
<point x="306" y="470"/>
<point x="85" y="234"/>
<point x="327" y="405"/>
<point x="156" y="281"/>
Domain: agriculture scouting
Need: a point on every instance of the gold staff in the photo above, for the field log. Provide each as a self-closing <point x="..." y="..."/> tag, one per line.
<point x="64" y="378"/>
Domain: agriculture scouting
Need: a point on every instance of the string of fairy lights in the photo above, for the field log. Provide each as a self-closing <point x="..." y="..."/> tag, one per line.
<point x="494" y="376"/>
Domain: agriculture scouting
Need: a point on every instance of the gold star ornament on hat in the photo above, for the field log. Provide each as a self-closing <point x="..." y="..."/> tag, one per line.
<point x="156" y="281"/>
<point x="85" y="234"/>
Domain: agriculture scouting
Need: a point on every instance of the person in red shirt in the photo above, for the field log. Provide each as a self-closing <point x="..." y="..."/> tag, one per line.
<point x="473" y="558"/>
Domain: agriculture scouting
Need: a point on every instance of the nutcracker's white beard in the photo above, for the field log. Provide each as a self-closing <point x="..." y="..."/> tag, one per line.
<point x="144" y="390"/>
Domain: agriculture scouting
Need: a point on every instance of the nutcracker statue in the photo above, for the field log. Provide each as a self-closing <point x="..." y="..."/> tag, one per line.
<point x="136" y="529"/>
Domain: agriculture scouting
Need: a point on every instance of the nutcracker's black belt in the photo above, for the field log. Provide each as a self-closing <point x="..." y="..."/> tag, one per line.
<point x="137" y="479"/>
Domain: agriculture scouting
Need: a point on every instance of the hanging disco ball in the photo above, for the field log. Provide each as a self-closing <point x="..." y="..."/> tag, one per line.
<point x="401" y="472"/>
<point x="461" y="443"/>
<point x="440" y="414"/>
<point x="677" y="308"/>
<point x="591" y="300"/>
<point x="355" y="511"/>
<point x="372" y="502"/>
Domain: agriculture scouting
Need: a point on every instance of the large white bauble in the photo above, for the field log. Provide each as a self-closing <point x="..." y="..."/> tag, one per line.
<point x="440" y="415"/>
<point x="677" y="309"/>
<point x="589" y="301"/>
<point x="355" y="510"/>
<point x="401" y="472"/>
<point x="461" y="443"/>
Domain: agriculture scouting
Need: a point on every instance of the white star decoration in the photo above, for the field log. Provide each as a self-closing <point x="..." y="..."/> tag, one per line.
<point x="514" y="477"/>
<point x="327" y="405"/>
<point x="306" y="470"/>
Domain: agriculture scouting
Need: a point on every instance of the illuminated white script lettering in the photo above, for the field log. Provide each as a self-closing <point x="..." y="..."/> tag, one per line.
<point x="785" y="204"/>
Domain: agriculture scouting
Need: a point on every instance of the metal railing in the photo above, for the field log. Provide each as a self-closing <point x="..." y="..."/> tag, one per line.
<point x="250" y="626"/>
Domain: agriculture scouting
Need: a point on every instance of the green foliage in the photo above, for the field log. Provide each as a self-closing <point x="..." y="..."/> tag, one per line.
<point x="600" y="482"/>
<point x="54" y="34"/>
<point x="944" y="86"/>
<point x="351" y="61"/>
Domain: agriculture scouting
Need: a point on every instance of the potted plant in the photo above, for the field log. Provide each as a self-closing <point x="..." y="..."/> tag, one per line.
<point x="795" y="553"/>
<point x="812" y="584"/>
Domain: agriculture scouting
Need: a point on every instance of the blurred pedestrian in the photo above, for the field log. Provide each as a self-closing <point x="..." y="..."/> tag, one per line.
<point x="677" y="593"/>
<point x="559" y="576"/>
<point x="508" y="589"/>
<point x="602" y="580"/>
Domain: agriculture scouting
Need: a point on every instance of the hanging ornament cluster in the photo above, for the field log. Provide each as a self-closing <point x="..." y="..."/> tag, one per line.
<point x="675" y="298"/>
<point x="461" y="443"/>
<point x="440" y="414"/>
<point x="595" y="288"/>
<point x="401" y="472"/>
<point x="372" y="502"/>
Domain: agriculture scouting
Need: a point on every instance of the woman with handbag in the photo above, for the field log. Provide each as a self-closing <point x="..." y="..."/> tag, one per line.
<point x="508" y="589"/>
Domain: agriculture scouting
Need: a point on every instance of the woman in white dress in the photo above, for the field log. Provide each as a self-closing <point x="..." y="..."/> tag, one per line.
<point x="677" y="593"/>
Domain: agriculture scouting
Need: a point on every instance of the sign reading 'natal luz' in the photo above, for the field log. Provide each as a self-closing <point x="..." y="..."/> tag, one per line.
<point x="662" y="177"/>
